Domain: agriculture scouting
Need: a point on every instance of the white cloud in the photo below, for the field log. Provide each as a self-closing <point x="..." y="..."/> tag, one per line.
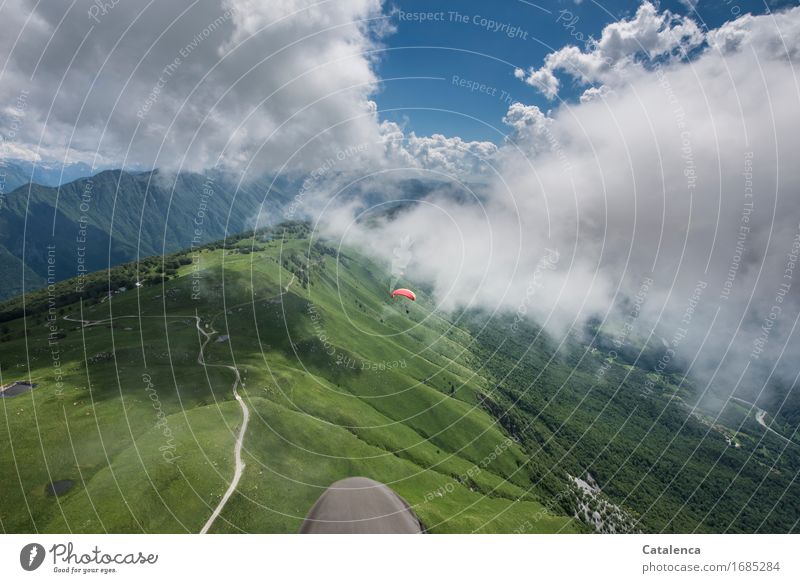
<point x="527" y="122"/>
<point x="271" y="86"/>
<point x="543" y="79"/>
<point x="776" y="35"/>
<point x="650" y="181"/>
<point x="183" y="83"/>
<point x="647" y="178"/>
<point x="450" y="156"/>
<point x="647" y="36"/>
<point x="594" y="93"/>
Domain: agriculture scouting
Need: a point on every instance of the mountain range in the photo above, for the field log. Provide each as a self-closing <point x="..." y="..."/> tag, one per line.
<point x="15" y="173"/>
<point x="51" y="233"/>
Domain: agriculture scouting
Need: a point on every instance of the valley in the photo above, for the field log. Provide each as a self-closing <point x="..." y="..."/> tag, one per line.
<point x="225" y="395"/>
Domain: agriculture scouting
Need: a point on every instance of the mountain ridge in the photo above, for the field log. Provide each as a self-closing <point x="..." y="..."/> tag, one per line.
<point x="92" y="223"/>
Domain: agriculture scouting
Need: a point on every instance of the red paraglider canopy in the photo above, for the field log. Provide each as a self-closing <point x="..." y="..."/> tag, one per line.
<point x="406" y="293"/>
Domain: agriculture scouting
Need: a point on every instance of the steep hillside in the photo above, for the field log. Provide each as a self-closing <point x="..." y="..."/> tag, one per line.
<point x="640" y="450"/>
<point x="92" y="223"/>
<point x="480" y="424"/>
<point x="133" y="416"/>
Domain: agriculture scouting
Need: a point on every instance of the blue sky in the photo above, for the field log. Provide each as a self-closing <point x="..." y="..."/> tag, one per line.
<point x="451" y="47"/>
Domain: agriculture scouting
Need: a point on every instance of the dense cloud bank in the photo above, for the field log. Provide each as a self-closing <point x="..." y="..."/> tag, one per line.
<point x="669" y="202"/>
<point x="663" y="202"/>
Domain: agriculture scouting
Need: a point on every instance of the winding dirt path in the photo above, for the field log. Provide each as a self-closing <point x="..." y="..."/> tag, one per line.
<point x="237" y="450"/>
<point x="237" y="382"/>
<point x="761" y="415"/>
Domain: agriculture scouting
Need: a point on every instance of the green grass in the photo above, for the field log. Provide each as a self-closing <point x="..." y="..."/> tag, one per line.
<point x="323" y="404"/>
<point x="341" y="381"/>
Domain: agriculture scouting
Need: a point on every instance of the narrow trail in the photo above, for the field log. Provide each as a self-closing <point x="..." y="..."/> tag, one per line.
<point x="237" y="450"/>
<point x="761" y="415"/>
<point x="237" y="382"/>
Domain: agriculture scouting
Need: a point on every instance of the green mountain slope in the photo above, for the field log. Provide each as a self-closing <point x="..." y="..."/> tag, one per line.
<point x="115" y="216"/>
<point x="338" y="381"/>
<point x="648" y="444"/>
<point x="481" y="426"/>
<point x="12" y="272"/>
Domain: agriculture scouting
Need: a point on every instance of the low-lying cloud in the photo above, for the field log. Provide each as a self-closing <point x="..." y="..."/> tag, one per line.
<point x="682" y="173"/>
<point x="241" y="85"/>
<point x="677" y="166"/>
